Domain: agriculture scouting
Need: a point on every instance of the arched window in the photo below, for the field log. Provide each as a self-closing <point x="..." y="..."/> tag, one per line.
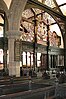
<point x="41" y="17"/>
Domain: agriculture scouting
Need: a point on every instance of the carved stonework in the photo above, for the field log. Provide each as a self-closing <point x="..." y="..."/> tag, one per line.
<point x="14" y="34"/>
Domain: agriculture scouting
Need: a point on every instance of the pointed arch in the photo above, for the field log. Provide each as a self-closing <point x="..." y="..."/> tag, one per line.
<point x="3" y="7"/>
<point x="15" y="11"/>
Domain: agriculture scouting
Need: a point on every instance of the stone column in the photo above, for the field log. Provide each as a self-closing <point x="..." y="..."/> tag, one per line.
<point x="14" y="66"/>
<point x="65" y="51"/>
<point x="64" y="38"/>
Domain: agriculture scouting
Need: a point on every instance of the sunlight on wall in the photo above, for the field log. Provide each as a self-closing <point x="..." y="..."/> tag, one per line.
<point x="24" y="58"/>
<point x="38" y="59"/>
<point x="1" y="56"/>
<point x="28" y="59"/>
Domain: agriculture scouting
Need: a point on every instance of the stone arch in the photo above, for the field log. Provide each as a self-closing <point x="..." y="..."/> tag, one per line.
<point x="4" y="10"/>
<point x="3" y="7"/>
<point x="15" y="11"/>
<point x="47" y="9"/>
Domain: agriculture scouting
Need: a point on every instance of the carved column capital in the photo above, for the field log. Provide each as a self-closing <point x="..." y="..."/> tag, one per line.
<point x="13" y="34"/>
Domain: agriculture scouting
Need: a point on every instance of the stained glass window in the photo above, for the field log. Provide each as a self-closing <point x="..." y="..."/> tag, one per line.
<point x="63" y="9"/>
<point x="1" y="56"/>
<point x="41" y="28"/>
<point x="60" y="2"/>
<point x="1" y="31"/>
<point x="50" y="3"/>
<point x="26" y="13"/>
<point x="1" y="20"/>
<point x="57" y="30"/>
<point x="1" y="25"/>
<point x="57" y="4"/>
<point x="24" y="58"/>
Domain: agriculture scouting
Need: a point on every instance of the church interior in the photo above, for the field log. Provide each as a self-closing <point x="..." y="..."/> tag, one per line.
<point x="32" y="49"/>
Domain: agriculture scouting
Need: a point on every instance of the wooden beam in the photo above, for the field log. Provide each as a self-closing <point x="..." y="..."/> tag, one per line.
<point x="26" y="19"/>
<point x="44" y="7"/>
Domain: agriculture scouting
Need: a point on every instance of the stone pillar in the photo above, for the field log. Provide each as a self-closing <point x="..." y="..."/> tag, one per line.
<point x="14" y="66"/>
<point x="65" y="52"/>
<point x="65" y="47"/>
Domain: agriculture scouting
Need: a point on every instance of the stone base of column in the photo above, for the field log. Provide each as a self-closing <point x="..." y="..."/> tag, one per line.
<point x="14" y="69"/>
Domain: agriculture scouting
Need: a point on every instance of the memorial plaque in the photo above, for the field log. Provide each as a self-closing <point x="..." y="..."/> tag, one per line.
<point x="17" y="50"/>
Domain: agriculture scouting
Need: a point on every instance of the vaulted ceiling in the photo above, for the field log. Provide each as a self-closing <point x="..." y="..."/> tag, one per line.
<point x="58" y="5"/>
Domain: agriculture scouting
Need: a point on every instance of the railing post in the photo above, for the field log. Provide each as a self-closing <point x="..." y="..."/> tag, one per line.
<point x="45" y="96"/>
<point x="56" y="87"/>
